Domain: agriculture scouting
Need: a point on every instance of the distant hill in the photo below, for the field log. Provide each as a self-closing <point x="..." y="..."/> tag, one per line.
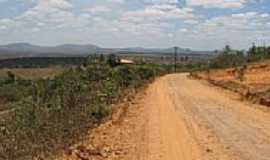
<point x="29" y="50"/>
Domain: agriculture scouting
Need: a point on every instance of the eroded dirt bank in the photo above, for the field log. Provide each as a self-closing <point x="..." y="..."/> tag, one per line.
<point x="180" y="119"/>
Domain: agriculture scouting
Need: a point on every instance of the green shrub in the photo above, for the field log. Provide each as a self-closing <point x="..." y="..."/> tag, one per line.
<point x="113" y="60"/>
<point x="50" y="114"/>
<point x="13" y="93"/>
<point x="226" y="60"/>
<point x="124" y="75"/>
<point x="100" y="111"/>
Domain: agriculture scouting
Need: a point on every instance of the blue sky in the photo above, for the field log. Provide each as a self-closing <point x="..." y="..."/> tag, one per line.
<point x="197" y="24"/>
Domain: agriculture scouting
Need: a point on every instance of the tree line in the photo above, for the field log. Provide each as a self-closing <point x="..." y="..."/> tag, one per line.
<point x="229" y="57"/>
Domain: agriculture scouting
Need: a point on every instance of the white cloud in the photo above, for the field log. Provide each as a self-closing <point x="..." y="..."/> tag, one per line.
<point x="217" y="3"/>
<point x="183" y="30"/>
<point x="3" y="27"/>
<point x="239" y="22"/>
<point x="60" y="4"/>
<point x="191" y="21"/>
<point x="45" y="7"/>
<point x="156" y="13"/>
<point x="238" y="30"/>
<point x="264" y="15"/>
<point x="116" y="1"/>
<point x="6" y="23"/>
<point x="113" y="22"/>
<point x="161" y="1"/>
<point x="47" y="12"/>
<point x="98" y="9"/>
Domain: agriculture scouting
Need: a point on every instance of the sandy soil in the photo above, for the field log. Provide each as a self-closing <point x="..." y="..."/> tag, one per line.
<point x="256" y="76"/>
<point x="180" y="119"/>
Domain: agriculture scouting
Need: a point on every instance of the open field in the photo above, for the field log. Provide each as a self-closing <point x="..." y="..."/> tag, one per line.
<point x="11" y="93"/>
<point x="33" y="73"/>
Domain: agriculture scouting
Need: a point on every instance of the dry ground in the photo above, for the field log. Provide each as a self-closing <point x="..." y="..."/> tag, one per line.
<point x="180" y="119"/>
<point x="255" y="85"/>
<point x="256" y="76"/>
<point x="34" y="73"/>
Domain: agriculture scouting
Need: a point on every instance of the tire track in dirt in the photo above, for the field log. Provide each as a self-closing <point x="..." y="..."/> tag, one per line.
<point x="226" y="128"/>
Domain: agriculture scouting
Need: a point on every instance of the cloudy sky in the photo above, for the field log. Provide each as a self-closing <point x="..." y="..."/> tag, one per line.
<point x="198" y="24"/>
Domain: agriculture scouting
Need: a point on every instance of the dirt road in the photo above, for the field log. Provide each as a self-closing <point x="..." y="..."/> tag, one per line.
<point x="189" y="119"/>
<point x="183" y="119"/>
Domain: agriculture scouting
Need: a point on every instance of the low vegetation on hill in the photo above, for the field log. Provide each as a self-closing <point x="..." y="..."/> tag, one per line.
<point x="41" y="62"/>
<point x="233" y="58"/>
<point x="49" y="114"/>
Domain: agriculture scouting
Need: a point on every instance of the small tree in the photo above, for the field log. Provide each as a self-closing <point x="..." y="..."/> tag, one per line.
<point x="113" y="60"/>
<point x="227" y="49"/>
<point x="252" y="52"/>
<point x="11" y="77"/>
<point x="268" y="52"/>
<point x="240" y="72"/>
<point x="101" y="58"/>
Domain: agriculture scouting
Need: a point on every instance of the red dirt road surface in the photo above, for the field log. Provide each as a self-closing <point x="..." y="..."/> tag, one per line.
<point x="183" y="119"/>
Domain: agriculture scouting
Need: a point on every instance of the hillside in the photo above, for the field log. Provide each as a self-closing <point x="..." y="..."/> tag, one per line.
<point x="252" y="84"/>
<point x="29" y="50"/>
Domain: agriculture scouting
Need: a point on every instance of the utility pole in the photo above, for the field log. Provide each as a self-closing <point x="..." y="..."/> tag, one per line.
<point x="175" y="58"/>
<point x="264" y="48"/>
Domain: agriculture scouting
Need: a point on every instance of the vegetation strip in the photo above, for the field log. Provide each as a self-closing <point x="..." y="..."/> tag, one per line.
<point x="51" y="114"/>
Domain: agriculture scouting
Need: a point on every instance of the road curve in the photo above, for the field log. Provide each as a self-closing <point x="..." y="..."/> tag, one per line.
<point x="190" y="120"/>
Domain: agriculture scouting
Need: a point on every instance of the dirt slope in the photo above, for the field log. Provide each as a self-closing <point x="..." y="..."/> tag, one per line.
<point x="251" y="81"/>
<point x="183" y="119"/>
